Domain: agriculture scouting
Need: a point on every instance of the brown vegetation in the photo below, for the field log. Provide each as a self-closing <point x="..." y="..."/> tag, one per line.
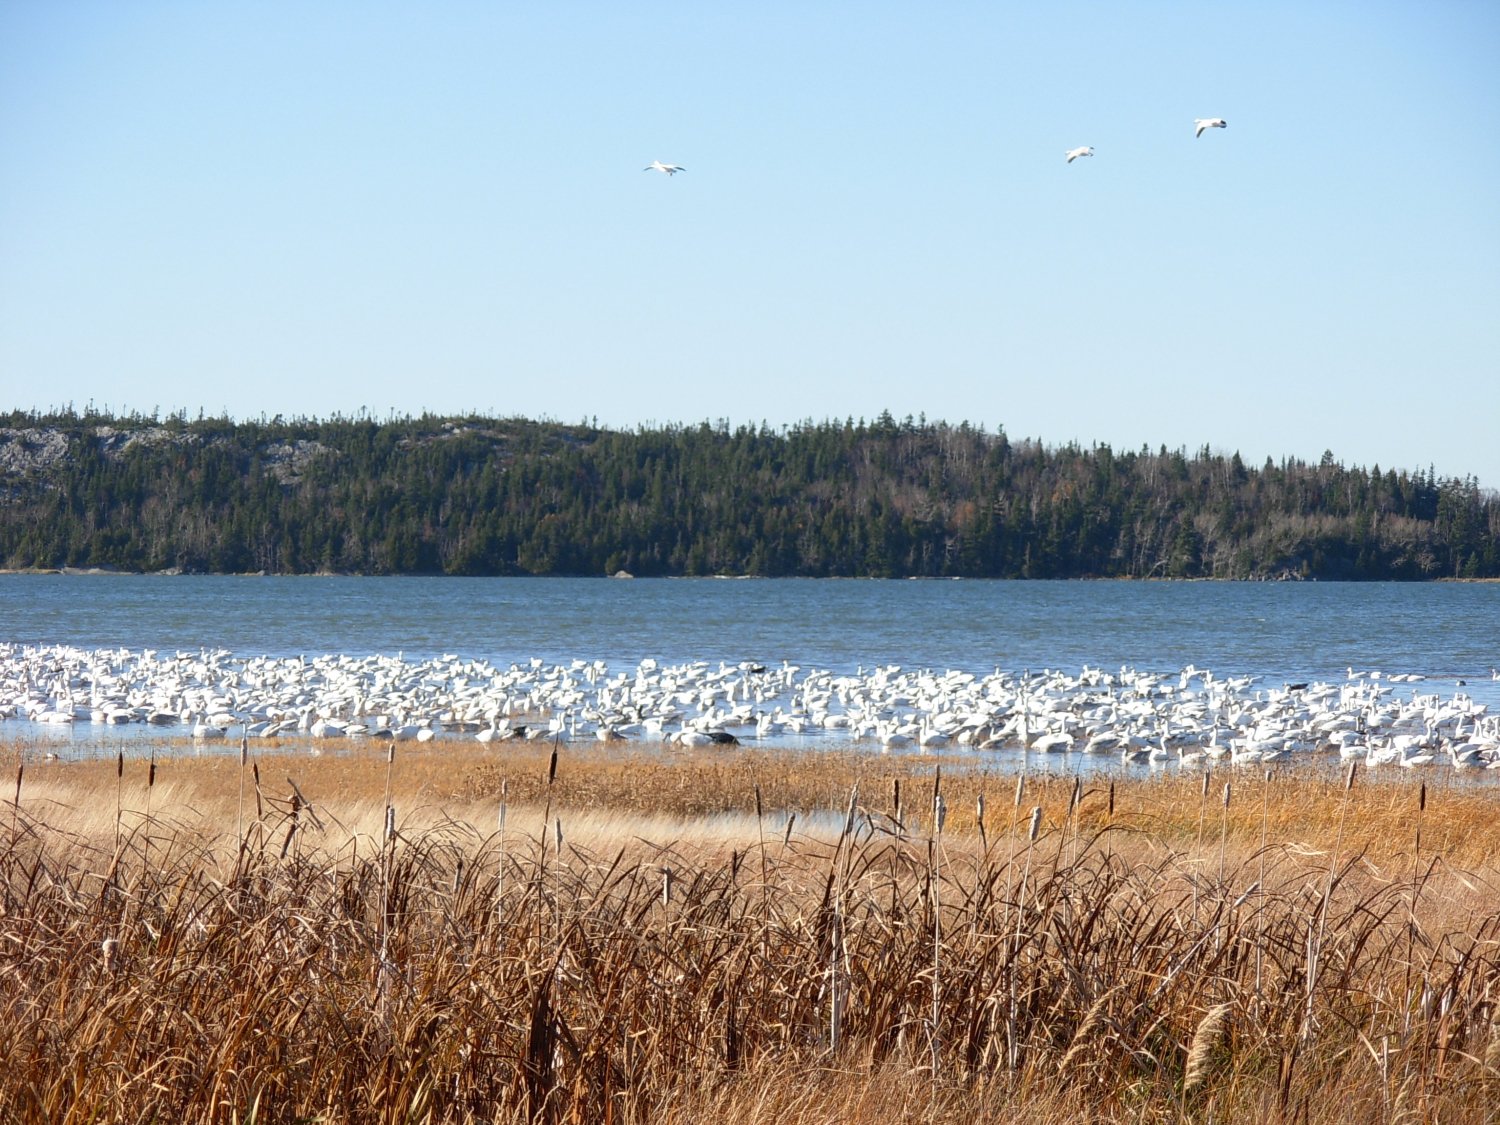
<point x="750" y="936"/>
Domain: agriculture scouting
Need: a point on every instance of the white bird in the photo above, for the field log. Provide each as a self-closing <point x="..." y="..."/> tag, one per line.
<point x="1053" y="743"/>
<point x="1074" y="153"/>
<point x="1203" y="123"/>
<point x="203" y="728"/>
<point x="669" y="169"/>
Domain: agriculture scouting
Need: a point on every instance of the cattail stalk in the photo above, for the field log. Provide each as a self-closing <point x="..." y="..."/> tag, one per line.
<point x="1315" y="943"/>
<point x="1109" y="823"/>
<point x="387" y="842"/>
<point x="15" y="812"/>
<point x="557" y="877"/>
<point x="541" y="874"/>
<point x="1198" y="847"/>
<point x="1014" y="1046"/>
<point x="1202" y="808"/>
<point x="1260" y="953"/>
<point x="390" y="769"/>
<point x="500" y="878"/>
<point x="1010" y="860"/>
<point x="1411" y="920"/>
<point x="1075" y="801"/>
<point x="836" y="981"/>
<point x="934" y="875"/>
<point x="765" y="879"/>
<point x="150" y="785"/>
<point x="119" y="795"/>
<point x="239" y="823"/>
<point x="1224" y="830"/>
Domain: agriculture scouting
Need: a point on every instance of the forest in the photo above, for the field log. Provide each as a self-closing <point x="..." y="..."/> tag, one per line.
<point x="886" y="498"/>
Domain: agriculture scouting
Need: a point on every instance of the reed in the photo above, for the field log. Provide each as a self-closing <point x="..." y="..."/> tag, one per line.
<point x="935" y="882"/>
<point x="476" y="974"/>
<point x="1315" y="940"/>
<point x="1207" y="1040"/>
<point x="239" y="819"/>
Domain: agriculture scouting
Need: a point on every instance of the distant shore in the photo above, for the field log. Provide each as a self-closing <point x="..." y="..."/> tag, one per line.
<point x="177" y="572"/>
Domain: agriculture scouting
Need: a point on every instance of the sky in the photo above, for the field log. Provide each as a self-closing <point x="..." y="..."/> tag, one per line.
<point x="261" y="209"/>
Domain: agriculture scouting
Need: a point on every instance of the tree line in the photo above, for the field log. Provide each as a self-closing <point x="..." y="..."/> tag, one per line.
<point x="884" y="498"/>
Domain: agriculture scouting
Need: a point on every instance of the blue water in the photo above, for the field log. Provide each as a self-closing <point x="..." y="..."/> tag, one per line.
<point x="1286" y="632"/>
<point x="1296" y="631"/>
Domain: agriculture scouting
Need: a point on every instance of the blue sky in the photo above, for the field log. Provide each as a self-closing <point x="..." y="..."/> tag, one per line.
<point x="309" y="209"/>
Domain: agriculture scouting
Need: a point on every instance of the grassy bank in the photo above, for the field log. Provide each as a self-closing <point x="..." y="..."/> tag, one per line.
<point x="739" y="936"/>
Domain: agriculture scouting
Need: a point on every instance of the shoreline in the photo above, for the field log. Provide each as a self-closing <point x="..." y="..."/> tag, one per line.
<point x="176" y="572"/>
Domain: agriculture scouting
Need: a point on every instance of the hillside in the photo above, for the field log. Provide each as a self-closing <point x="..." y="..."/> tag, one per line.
<point x="887" y="498"/>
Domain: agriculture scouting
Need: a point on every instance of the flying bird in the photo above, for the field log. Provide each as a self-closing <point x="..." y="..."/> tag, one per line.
<point x="669" y="169"/>
<point x="1074" y="153"/>
<point x="1208" y="123"/>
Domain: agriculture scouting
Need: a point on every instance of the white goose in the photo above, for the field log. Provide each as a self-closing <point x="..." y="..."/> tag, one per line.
<point x="204" y="728"/>
<point x="1074" y="153"/>
<point x="1202" y="123"/>
<point x="669" y="169"/>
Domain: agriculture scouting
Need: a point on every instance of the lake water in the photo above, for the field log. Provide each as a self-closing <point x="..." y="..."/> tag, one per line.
<point x="1280" y="631"/>
<point x="1293" y="630"/>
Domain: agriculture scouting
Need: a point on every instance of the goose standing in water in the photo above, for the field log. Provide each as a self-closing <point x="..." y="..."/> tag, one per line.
<point x="204" y="728"/>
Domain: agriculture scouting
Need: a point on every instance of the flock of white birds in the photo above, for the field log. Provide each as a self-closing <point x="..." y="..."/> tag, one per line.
<point x="1072" y="154"/>
<point x="1199" y="124"/>
<point x="1190" y="717"/>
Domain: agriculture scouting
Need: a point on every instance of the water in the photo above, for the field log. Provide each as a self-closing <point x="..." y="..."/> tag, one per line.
<point x="1279" y="631"/>
<point x="1444" y="631"/>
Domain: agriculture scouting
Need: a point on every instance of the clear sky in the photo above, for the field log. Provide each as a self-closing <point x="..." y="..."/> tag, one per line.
<point x="317" y="208"/>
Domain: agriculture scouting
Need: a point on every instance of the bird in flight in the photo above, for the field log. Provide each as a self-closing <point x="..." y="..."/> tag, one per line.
<point x="669" y="169"/>
<point x="1203" y="123"/>
<point x="1074" y="153"/>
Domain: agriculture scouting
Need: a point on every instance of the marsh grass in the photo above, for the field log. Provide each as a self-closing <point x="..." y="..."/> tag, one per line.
<point x="736" y="938"/>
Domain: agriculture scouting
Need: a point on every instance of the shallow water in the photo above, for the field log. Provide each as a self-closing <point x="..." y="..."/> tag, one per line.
<point x="1281" y="632"/>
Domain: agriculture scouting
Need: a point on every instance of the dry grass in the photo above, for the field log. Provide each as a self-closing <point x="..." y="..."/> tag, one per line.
<point x="164" y="956"/>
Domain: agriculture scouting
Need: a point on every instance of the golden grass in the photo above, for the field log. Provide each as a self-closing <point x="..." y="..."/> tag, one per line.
<point x="718" y="939"/>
